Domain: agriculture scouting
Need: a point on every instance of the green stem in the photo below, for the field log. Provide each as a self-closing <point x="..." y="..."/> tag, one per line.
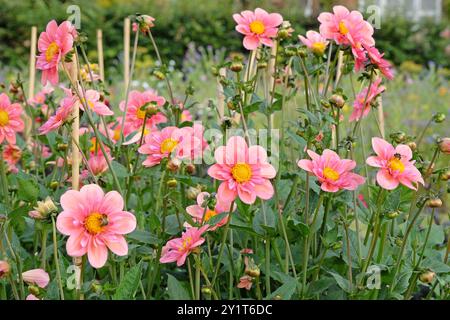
<point x="55" y="254"/>
<point x="3" y="177"/>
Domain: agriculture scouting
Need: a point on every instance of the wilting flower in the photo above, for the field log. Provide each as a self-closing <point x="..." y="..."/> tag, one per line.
<point x="94" y="222"/>
<point x="94" y="103"/>
<point x="376" y="58"/>
<point x="62" y="114"/>
<point x="257" y="27"/>
<point x="332" y="172"/>
<point x="244" y="171"/>
<point x="135" y="115"/>
<point x="167" y="142"/>
<point x="53" y="45"/>
<point x="4" y="268"/>
<point x="245" y="282"/>
<point x="364" y="100"/>
<point x="315" y="42"/>
<point x="346" y="28"/>
<point x="144" y="22"/>
<point x="12" y="155"/>
<point x="178" y="249"/>
<point x="36" y="277"/>
<point x="444" y="145"/>
<point x="201" y="213"/>
<point x="43" y="209"/>
<point x="10" y="121"/>
<point x="395" y="165"/>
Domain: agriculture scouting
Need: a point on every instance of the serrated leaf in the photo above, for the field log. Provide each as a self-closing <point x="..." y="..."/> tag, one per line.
<point x="129" y="284"/>
<point x="28" y="189"/>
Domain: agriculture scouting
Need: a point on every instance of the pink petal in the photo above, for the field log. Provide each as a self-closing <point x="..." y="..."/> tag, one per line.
<point x="97" y="253"/>
<point x="116" y="244"/>
<point x="386" y="181"/>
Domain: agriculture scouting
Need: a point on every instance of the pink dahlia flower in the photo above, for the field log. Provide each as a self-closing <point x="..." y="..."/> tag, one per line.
<point x="4" y="268"/>
<point x="40" y="98"/>
<point x="201" y="214"/>
<point x="135" y="116"/>
<point x="257" y="27"/>
<point x="97" y="164"/>
<point x="36" y="277"/>
<point x="178" y="249"/>
<point x="10" y="120"/>
<point x="376" y="58"/>
<point x="332" y="172"/>
<point x="94" y="222"/>
<point x="244" y="171"/>
<point x="94" y="103"/>
<point x="346" y="28"/>
<point x="395" y="165"/>
<point x="364" y="100"/>
<point x="53" y="45"/>
<point x="315" y="42"/>
<point x="62" y="114"/>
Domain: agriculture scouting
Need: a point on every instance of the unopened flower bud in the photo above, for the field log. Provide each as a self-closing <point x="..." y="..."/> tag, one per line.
<point x="150" y="108"/>
<point x="434" y="203"/>
<point x="13" y="88"/>
<point x="290" y="51"/>
<point x="43" y="209"/>
<point x="439" y="117"/>
<point x="427" y="276"/>
<point x="227" y="123"/>
<point x="54" y="185"/>
<point x="445" y="176"/>
<point x="193" y="192"/>
<point x="236" y="66"/>
<point x="62" y="147"/>
<point x="206" y="290"/>
<point x="444" y="145"/>
<point x="34" y="290"/>
<point x="337" y="100"/>
<point x="172" y="183"/>
<point x="337" y="245"/>
<point x="412" y="145"/>
<point x="283" y="33"/>
<point x="159" y="75"/>
<point x="214" y="71"/>
<point x="262" y="65"/>
<point x="251" y="269"/>
<point x="398" y="136"/>
<point x="4" y="268"/>
<point x="231" y="105"/>
<point x="325" y="103"/>
<point x="393" y="214"/>
<point x="190" y="168"/>
<point x="301" y="52"/>
<point x="173" y="165"/>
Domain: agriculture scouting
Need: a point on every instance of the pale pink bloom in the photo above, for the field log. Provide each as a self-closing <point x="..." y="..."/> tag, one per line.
<point x="4" y="268"/>
<point x="201" y="214"/>
<point x="315" y="42"/>
<point x="10" y="120"/>
<point x="32" y="297"/>
<point x="376" y="58"/>
<point x="135" y="116"/>
<point x="94" y="222"/>
<point x="257" y="27"/>
<point x="346" y="28"/>
<point x="169" y="142"/>
<point x="179" y="248"/>
<point x="98" y="164"/>
<point x="53" y="45"/>
<point x="94" y="103"/>
<point x="62" y="114"/>
<point x="244" y="171"/>
<point x="245" y="282"/>
<point x="332" y="172"/>
<point x="361" y="106"/>
<point x="36" y="277"/>
<point x="396" y="165"/>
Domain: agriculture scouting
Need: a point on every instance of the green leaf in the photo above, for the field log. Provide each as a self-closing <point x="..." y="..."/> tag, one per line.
<point x="176" y="290"/>
<point x="28" y="189"/>
<point x="285" y="291"/>
<point x="216" y="219"/>
<point x="342" y="282"/>
<point x="129" y="284"/>
<point x="119" y="169"/>
<point x="143" y="236"/>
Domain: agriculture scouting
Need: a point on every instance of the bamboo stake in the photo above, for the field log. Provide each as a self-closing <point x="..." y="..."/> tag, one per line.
<point x="75" y="134"/>
<point x="101" y="66"/>
<point x="31" y="82"/>
<point x="381" y="116"/>
<point x="126" y="50"/>
<point x="220" y="95"/>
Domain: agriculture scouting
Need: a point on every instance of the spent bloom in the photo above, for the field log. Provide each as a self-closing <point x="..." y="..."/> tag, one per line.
<point x="332" y="172"/>
<point x="244" y="171"/>
<point x="54" y="43"/>
<point x="395" y="165"/>
<point x="43" y="209"/>
<point x="364" y="100"/>
<point x="257" y="27"/>
<point x="144" y="23"/>
<point x="201" y="213"/>
<point x="315" y="42"/>
<point x="94" y="222"/>
<point x="245" y="282"/>
<point x="36" y="277"/>
<point x="179" y="248"/>
<point x="10" y="120"/>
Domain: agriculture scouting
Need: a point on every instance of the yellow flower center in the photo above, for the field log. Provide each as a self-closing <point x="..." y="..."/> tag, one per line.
<point x="168" y="145"/>
<point x="185" y="244"/>
<point x="140" y="113"/>
<point x="94" y="146"/>
<point x="241" y="172"/>
<point x="343" y="28"/>
<point x="257" y="27"/>
<point x="330" y="174"/>
<point x="209" y="214"/>
<point x="51" y="51"/>
<point x="318" y="47"/>
<point x="95" y="222"/>
<point x="116" y="135"/>
<point x="396" y="165"/>
<point x="4" y="118"/>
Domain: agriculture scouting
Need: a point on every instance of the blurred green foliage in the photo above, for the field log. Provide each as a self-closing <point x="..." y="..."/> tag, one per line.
<point x="204" y="22"/>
